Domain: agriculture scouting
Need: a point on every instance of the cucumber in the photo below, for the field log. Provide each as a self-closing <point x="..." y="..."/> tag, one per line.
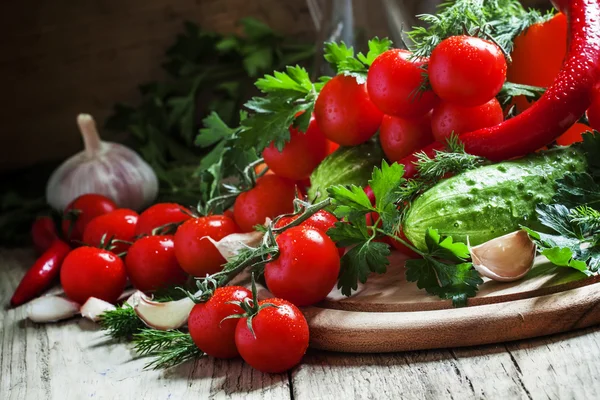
<point x="491" y="201"/>
<point x="345" y="166"/>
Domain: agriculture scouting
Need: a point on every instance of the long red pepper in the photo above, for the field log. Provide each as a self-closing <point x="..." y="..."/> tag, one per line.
<point x="41" y="275"/>
<point x="560" y="107"/>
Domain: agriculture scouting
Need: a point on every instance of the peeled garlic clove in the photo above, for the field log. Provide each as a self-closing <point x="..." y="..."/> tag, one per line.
<point x="93" y="308"/>
<point x="162" y="316"/>
<point x="105" y="168"/>
<point x="506" y="258"/>
<point x="231" y="245"/>
<point x="51" y="309"/>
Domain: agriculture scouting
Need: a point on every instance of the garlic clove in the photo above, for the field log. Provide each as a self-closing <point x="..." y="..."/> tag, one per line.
<point x="93" y="308"/>
<point x="105" y="168"/>
<point x="162" y="316"/>
<point x="506" y="258"/>
<point x="51" y="309"/>
<point x="231" y="245"/>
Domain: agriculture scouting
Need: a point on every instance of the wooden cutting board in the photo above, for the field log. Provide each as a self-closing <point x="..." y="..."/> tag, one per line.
<point x="390" y="314"/>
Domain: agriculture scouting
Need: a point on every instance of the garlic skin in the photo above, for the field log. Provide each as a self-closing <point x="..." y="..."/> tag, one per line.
<point x="105" y="168"/>
<point x="506" y="258"/>
<point x="51" y="309"/>
<point x="161" y="316"/>
<point x="93" y="308"/>
<point x="231" y="245"/>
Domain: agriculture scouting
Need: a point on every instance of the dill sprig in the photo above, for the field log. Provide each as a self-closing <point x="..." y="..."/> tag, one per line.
<point x="453" y="160"/>
<point x="169" y="348"/>
<point x="497" y="20"/>
<point x="121" y="322"/>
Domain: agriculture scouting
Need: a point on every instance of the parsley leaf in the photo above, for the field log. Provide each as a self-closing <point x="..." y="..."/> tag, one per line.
<point x="350" y="202"/>
<point x="576" y="189"/>
<point x="285" y="95"/>
<point x="510" y="90"/>
<point x="359" y="262"/>
<point x="385" y="183"/>
<point x="344" y="61"/>
<point x="443" y="270"/>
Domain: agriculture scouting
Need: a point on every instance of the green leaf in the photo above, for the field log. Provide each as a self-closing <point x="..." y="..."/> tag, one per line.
<point x="576" y="189"/>
<point x="255" y="30"/>
<point x="351" y="201"/>
<point x="510" y="90"/>
<point x="346" y="234"/>
<point x="214" y="131"/>
<point x="376" y="48"/>
<point x="335" y="53"/>
<point x="359" y="262"/>
<point x="294" y="79"/>
<point x="385" y="183"/>
<point x="343" y="60"/>
<point x="444" y="247"/>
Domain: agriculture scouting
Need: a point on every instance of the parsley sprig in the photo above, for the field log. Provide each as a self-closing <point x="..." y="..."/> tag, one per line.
<point x="343" y="60"/>
<point x="443" y="270"/>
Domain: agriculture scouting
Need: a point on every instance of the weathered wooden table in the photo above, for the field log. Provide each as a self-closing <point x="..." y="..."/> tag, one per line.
<point x="74" y="360"/>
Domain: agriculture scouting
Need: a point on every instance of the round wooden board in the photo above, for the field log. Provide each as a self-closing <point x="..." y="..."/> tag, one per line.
<point x="390" y="314"/>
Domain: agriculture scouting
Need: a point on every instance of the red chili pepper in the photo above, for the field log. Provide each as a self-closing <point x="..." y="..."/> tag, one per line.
<point x="41" y="275"/>
<point x="43" y="234"/>
<point x="560" y="107"/>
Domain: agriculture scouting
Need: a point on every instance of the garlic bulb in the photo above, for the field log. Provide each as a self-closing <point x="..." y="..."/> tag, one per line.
<point x="105" y="168"/>
<point x="506" y="258"/>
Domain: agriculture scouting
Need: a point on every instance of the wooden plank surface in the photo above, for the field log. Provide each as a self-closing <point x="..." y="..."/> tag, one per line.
<point x="73" y="360"/>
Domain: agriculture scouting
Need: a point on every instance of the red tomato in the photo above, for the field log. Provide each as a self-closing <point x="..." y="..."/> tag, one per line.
<point x="307" y="266"/>
<point x="393" y="83"/>
<point x="321" y="220"/>
<point x="159" y="215"/>
<point x="280" y="337"/>
<point x="401" y="137"/>
<point x="43" y="233"/>
<point x="332" y="146"/>
<point x="195" y="253"/>
<point x="84" y="209"/>
<point x="466" y="70"/>
<point x="118" y="224"/>
<point x="91" y="272"/>
<point x="345" y="113"/>
<point x="593" y="113"/>
<point x="450" y="117"/>
<point x="573" y="134"/>
<point x="151" y="263"/>
<point x="539" y="52"/>
<point x="207" y="325"/>
<point x="300" y="155"/>
<point x="271" y="197"/>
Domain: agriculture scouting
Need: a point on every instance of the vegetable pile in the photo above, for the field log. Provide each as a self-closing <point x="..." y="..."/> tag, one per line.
<point x="428" y="151"/>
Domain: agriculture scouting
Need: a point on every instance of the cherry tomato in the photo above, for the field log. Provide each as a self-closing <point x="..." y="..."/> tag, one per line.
<point x="260" y="168"/>
<point x="393" y="83"/>
<point x="345" y="113"/>
<point x="151" y="263"/>
<point x="280" y="337"/>
<point x="450" y="117"/>
<point x="307" y="266"/>
<point x="466" y="70"/>
<point x="195" y="253"/>
<point x="321" y="220"/>
<point x="118" y="224"/>
<point x="538" y="53"/>
<point x="210" y="331"/>
<point x="573" y="134"/>
<point x="81" y="211"/>
<point x="91" y="272"/>
<point x="332" y="146"/>
<point x="401" y="137"/>
<point x="159" y="215"/>
<point x="271" y="197"/>
<point x="43" y="234"/>
<point x="300" y="155"/>
<point x="593" y="113"/>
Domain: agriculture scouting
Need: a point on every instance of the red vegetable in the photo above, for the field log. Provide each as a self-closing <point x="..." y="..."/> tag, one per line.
<point x="393" y="83"/>
<point x="81" y="211"/>
<point x="562" y="104"/>
<point x="195" y="253"/>
<point x="42" y="274"/>
<point x="210" y="331"/>
<point x="43" y="234"/>
<point x="118" y="224"/>
<point x="307" y="266"/>
<point x="400" y="137"/>
<point x="159" y="215"/>
<point x="151" y="264"/>
<point x="448" y="118"/>
<point x="280" y="337"/>
<point x="91" y="272"/>
<point x="300" y="155"/>
<point x="344" y="112"/>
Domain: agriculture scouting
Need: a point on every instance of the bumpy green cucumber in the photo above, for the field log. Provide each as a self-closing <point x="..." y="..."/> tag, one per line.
<point x="490" y="201"/>
<point x="346" y="166"/>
